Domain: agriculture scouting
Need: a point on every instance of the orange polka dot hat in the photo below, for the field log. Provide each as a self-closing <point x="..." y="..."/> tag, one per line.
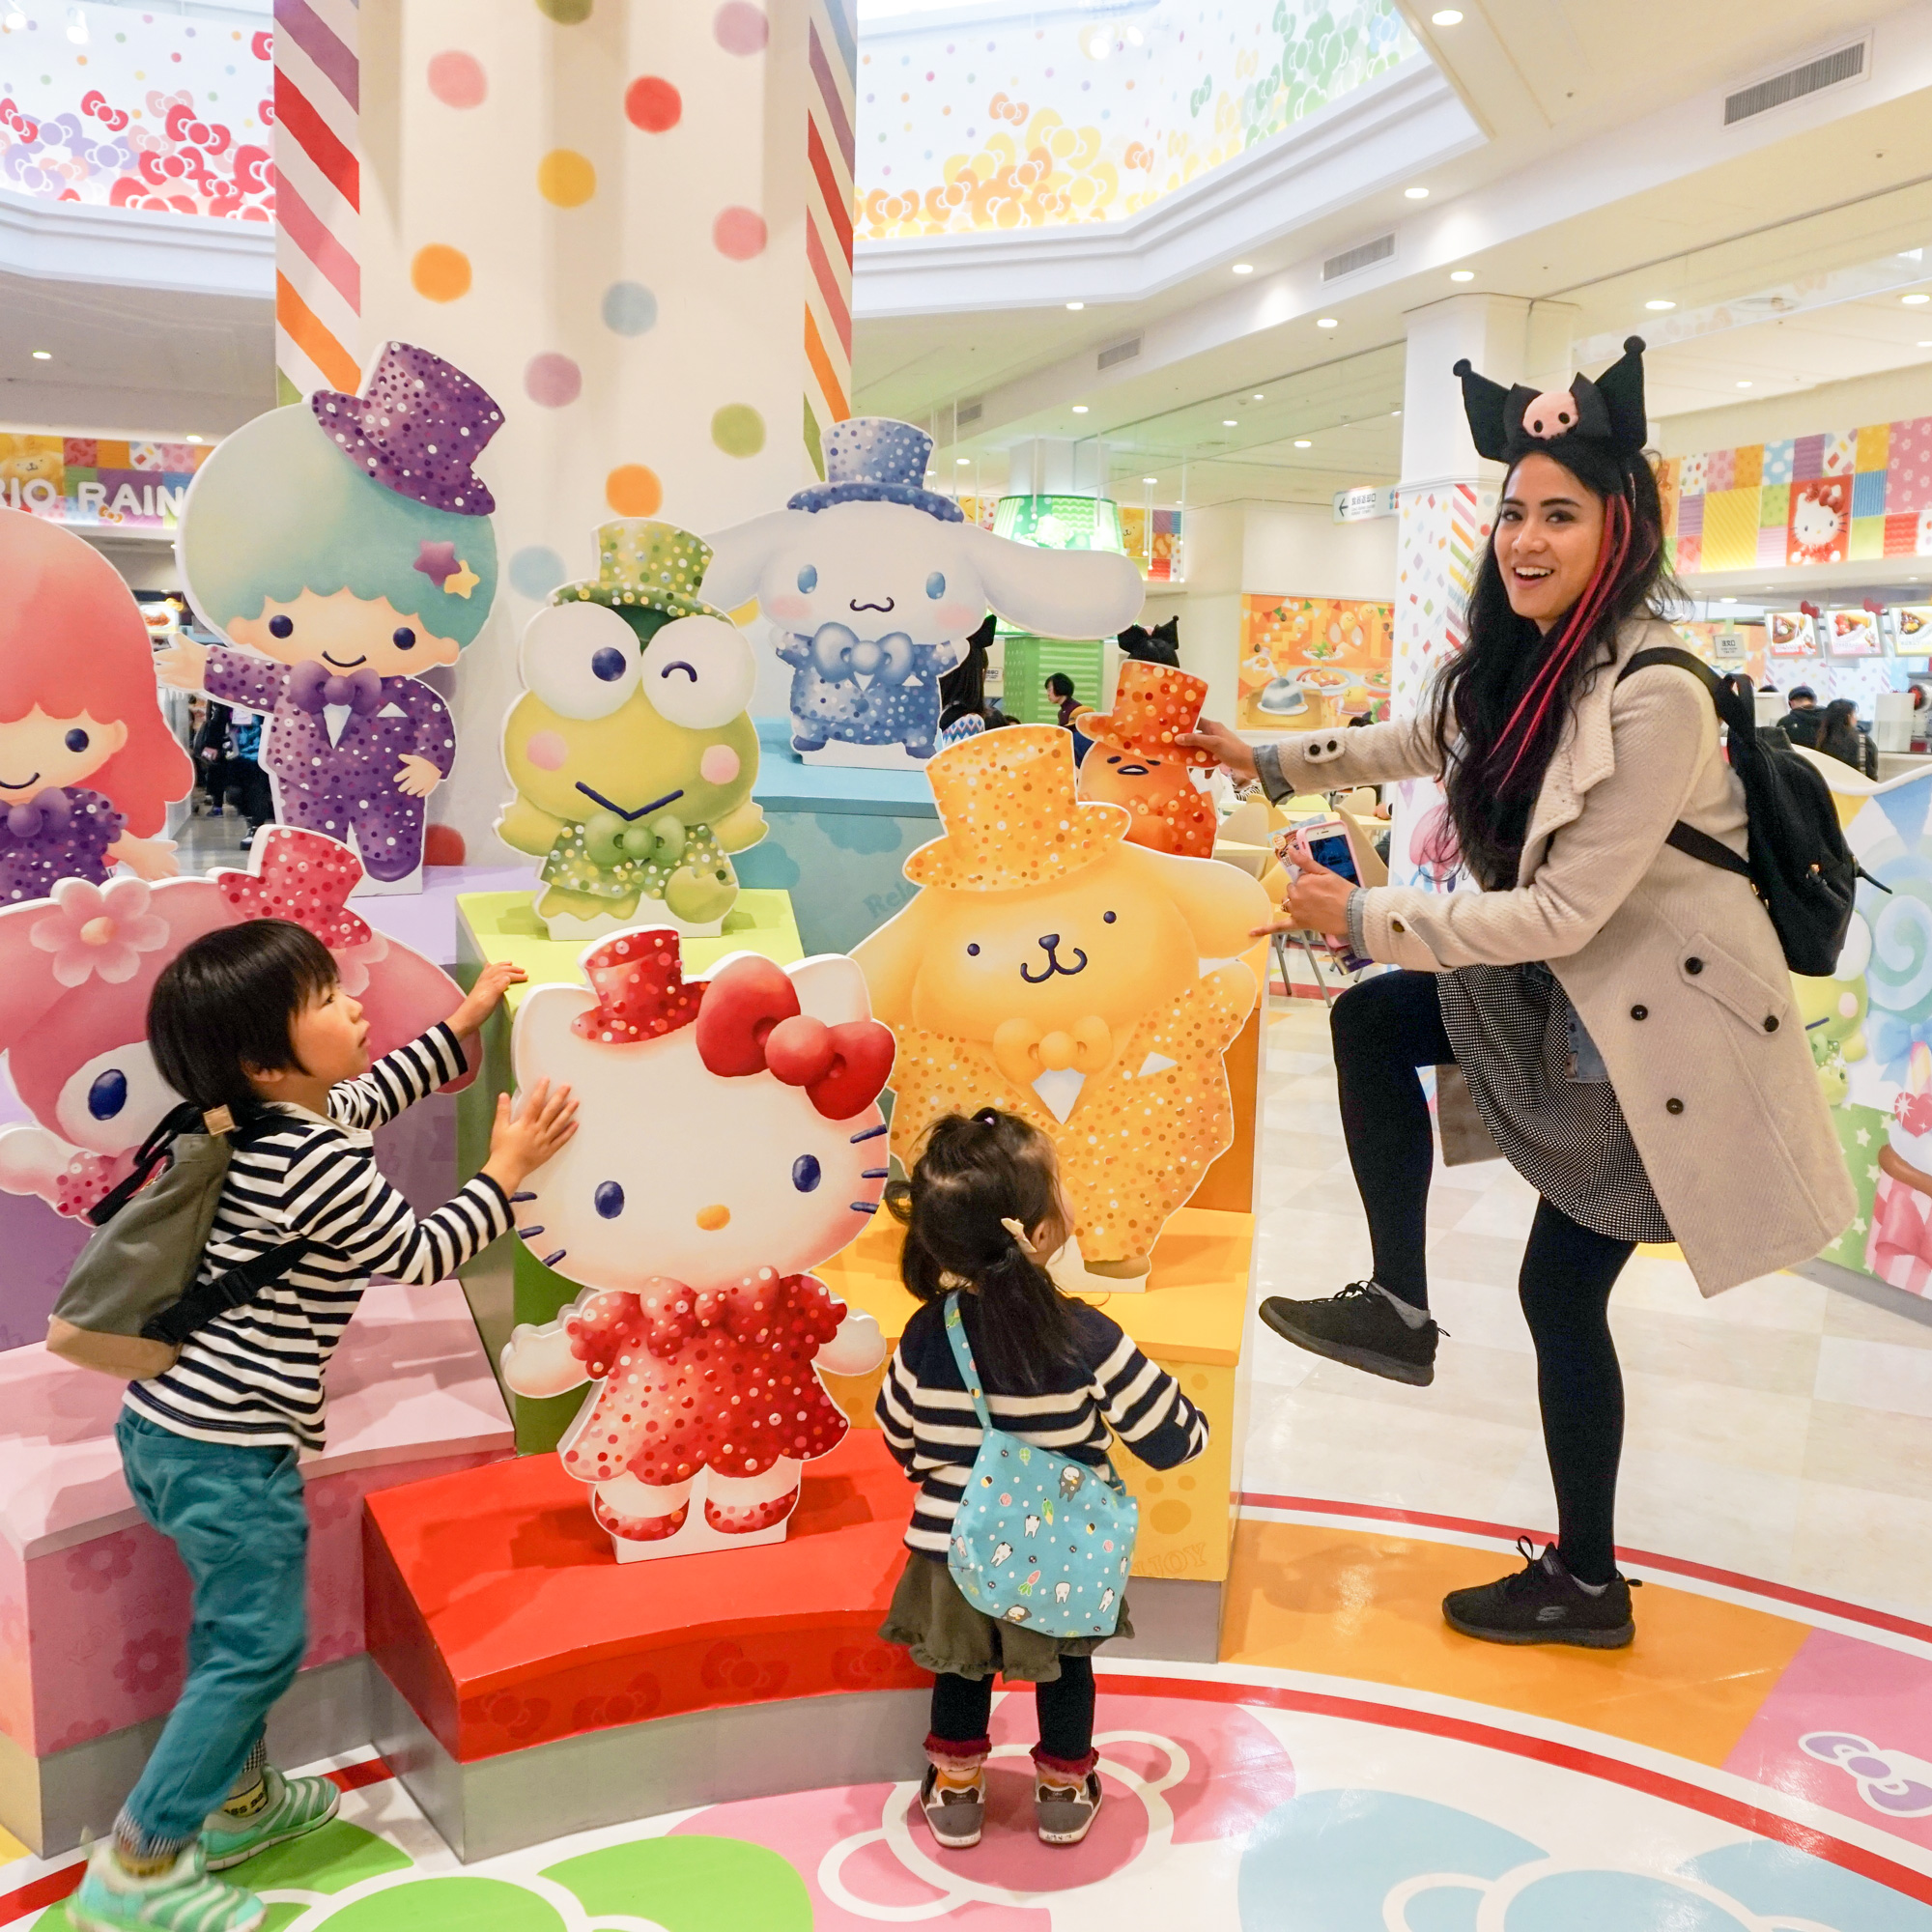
<point x="1012" y="820"/>
<point x="1153" y="706"/>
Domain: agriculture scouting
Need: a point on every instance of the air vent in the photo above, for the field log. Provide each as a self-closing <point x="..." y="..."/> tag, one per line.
<point x="969" y="412"/>
<point x="1833" y="70"/>
<point x="1121" y="352"/>
<point x="1351" y="260"/>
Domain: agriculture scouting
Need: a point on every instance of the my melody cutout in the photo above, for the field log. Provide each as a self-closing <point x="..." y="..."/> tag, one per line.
<point x="874" y="583"/>
<point x="76" y="970"/>
<point x="87" y="764"/>
<point x="630" y="750"/>
<point x="729" y="1139"/>
<point x="345" y="545"/>
<point x="1050" y="968"/>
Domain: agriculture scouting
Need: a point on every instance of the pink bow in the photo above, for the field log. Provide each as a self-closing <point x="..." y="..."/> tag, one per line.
<point x="749" y="1022"/>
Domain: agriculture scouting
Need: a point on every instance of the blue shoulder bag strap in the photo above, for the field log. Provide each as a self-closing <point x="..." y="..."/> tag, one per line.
<point x="962" y="1354"/>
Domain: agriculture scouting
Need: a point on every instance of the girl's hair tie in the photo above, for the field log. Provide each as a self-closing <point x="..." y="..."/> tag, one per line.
<point x="1019" y="1235"/>
<point x="987" y="1117"/>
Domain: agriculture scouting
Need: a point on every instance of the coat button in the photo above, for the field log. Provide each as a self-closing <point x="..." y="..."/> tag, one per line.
<point x="1771" y="1023"/>
<point x="1639" y="1012"/>
<point x="1673" y="1106"/>
<point x="1693" y="965"/>
<point x="1396" y="925"/>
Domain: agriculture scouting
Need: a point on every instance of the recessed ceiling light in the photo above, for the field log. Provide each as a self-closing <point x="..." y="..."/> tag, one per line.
<point x="44" y="354"/>
<point x="1659" y="304"/>
<point x="1415" y="194"/>
<point x="1079" y="408"/>
<point x="1461" y="274"/>
<point x="1916" y="300"/>
<point x="1923" y="345"/>
<point x="1445" y="16"/>
<point x="963" y="461"/>
<point x="1730" y="600"/>
<point x="1744" y="386"/>
<point x="1149" y="479"/>
<point x="1229" y="422"/>
<point x="1076" y="305"/>
<point x="190" y="438"/>
<point x="1395" y="412"/>
<point x="1329" y="322"/>
<point x="1099" y="46"/>
<point x="1244" y="268"/>
<point x="1303" y="443"/>
<point x="1259" y="397"/>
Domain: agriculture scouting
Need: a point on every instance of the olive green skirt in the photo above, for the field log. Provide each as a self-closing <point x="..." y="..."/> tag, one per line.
<point x="947" y="1635"/>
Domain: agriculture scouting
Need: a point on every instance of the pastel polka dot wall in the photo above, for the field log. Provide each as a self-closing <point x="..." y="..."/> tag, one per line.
<point x="601" y="211"/>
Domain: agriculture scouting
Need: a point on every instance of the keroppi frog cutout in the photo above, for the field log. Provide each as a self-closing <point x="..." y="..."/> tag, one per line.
<point x="1134" y="763"/>
<point x="1052" y="969"/>
<point x="731" y="1140"/>
<point x="630" y="750"/>
<point x="874" y="583"/>
<point x="88" y="765"/>
<point x="345" y="545"/>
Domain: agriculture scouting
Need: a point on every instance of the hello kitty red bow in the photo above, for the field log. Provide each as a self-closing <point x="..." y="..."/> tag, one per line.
<point x="301" y="876"/>
<point x="749" y="1022"/>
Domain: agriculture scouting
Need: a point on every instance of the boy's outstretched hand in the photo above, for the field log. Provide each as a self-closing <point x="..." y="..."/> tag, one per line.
<point x="485" y="997"/>
<point x="522" y="1140"/>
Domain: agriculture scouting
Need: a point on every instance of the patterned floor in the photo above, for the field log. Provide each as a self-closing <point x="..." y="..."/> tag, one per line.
<point x="1760" y="1761"/>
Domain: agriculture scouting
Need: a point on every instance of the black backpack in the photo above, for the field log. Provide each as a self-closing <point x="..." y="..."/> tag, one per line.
<point x="130" y="1299"/>
<point x="1799" y="865"/>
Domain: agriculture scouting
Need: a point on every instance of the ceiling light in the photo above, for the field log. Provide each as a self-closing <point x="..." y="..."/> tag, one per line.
<point x="1149" y="479"/>
<point x="1923" y="345"/>
<point x="1135" y="38"/>
<point x="1415" y="194"/>
<point x="1916" y="300"/>
<point x="1099" y="46"/>
<point x="1395" y="412"/>
<point x="1730" y="600"/>
<point x="1659" y="304"/>
<point x="1259" y="397"/>
<point x="15" y="20"/>
<point x="44" y="354"/>
<point x="1244" y="268"/>
<point x="1076" y="304"/>
<point x="1445" y="16"/>
<point x="190" y="438"/>
<point x="1461" y="274"/>
<point x="1303" y="443"/>
<point x="1327" y="321"/>
<point x="76" y="26"/>
<point x="962" y="461"/>
<point x="1744" y="386"/>
<point x="1229" y="422"/>
<point x="1079" y="408"/>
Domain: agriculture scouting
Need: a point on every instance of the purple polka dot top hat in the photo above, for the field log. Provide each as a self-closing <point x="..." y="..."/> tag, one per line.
<point x="416" y="429"/>
<point x="1593" y="429"/>
<point x="877" y="460"/>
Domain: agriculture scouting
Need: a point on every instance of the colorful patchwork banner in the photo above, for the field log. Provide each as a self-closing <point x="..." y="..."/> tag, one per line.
<point x="90" y="480"/>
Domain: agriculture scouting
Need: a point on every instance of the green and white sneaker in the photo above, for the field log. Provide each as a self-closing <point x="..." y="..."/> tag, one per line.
<point x="182" y="1898"/>
<point x="294" y="1807"/>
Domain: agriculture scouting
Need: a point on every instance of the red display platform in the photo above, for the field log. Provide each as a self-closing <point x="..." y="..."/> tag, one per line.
<point x="498" y="1611"/>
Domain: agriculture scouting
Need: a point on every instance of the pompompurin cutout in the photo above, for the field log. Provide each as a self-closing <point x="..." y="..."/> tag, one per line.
<point x="344" y="544"/>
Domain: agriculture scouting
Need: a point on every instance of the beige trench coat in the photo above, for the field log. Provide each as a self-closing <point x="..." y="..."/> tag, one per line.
<point x="1672" y="964"/>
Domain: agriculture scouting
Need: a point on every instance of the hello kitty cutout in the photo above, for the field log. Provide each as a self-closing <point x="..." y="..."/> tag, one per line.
<point x="731" y="1140"/>
<point x="76" y="970"/>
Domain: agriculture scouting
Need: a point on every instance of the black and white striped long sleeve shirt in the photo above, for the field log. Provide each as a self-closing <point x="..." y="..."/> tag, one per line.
<point x="930" y="1427"/>
<point x="253" y="1376"/>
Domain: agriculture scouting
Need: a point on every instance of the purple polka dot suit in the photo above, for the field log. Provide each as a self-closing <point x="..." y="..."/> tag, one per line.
<point x="57" y="834"/>
<point x="348" y="784"/>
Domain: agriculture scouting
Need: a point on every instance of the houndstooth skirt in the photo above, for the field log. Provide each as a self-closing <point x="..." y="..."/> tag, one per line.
<point x="1535" y="1078"/>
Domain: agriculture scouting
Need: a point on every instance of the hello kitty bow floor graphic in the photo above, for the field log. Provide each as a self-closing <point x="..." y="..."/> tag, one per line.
<point x="729" y="1140"/>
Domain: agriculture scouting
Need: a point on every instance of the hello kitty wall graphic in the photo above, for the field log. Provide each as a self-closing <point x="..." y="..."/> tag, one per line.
<point x="731" y="1140"/>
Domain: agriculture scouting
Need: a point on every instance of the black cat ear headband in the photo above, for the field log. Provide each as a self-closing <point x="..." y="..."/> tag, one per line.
<point x="1591" y="428"/>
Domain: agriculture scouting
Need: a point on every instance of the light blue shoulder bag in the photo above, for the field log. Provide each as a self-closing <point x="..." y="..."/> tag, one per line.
<point x="1039" y="1539"/>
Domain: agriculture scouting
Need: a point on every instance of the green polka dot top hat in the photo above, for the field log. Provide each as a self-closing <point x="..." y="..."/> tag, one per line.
<point x="648" y="565"/>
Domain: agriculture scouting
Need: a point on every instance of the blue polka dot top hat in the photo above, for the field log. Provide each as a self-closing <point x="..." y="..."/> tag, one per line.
<point x="646" y="566"/>
<point x="877" y="460"/>
<point x="1039" y="1538"/>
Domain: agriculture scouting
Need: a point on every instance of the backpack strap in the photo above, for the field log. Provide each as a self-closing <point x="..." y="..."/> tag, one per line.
<point x="962" y="1355"/>
<point x="1734" y="709"/>
<point x="242" y="1282"/>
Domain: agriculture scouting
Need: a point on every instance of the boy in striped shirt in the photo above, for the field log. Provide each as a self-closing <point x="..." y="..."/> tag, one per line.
<point x="253" y="1018"/>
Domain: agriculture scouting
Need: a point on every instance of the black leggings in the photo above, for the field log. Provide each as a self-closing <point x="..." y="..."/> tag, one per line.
<point x="1384" y="1029"/>
<point x="962" y="1707"/>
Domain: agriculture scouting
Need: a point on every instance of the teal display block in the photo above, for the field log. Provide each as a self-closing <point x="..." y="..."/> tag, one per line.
<point x="837" y="841"/>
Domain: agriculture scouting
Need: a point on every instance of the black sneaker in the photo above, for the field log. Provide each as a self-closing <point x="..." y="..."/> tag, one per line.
<point x="1544" y="1604"/>
<point x="1361" y="1327"/>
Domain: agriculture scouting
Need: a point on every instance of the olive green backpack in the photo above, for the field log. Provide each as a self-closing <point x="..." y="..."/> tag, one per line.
<point x="131" y="1298"/>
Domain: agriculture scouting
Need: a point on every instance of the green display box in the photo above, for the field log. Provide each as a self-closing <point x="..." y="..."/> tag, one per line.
<point x="507" y="1284"/>
<point x="1030" y="661"/>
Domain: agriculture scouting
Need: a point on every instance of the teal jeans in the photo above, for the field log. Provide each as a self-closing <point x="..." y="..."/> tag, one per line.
<point x="236" y="1517"/>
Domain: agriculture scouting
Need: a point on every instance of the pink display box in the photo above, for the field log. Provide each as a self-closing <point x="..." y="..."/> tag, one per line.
<point x="93" y="1604"/>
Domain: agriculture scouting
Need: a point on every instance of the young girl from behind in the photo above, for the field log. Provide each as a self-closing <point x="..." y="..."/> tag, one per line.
<point x="982" y="1210"/>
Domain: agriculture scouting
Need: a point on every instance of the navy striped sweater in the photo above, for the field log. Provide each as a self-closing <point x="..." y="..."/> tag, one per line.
<point x="253" y="1376"/>
<point x="933" y="1433"/>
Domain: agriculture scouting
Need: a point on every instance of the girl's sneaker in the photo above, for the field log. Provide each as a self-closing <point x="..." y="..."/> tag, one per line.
<point x="954" y="1814"/>
<point x="1066" y="1812"/>
<point x="182" y="1898"/>
<point x="293" y="1807"/>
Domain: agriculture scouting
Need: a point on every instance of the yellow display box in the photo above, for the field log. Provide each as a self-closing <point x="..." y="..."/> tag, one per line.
<point x="1188" y="1319"/>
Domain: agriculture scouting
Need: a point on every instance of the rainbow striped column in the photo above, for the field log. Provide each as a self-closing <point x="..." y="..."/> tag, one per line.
<point x="827" y="219"/>
<point x="317" y="198"/>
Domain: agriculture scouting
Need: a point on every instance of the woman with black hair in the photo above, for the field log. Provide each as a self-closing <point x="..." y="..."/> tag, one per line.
<point x="1620" y="1010"/>
<point x="964" y="711"/>
<point x="1840" y="737"/>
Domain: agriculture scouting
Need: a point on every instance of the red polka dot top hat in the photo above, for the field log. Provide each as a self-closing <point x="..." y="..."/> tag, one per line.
<point x="1593" y="429"/>
<point x="1153" y="706"/>
<point x="1012" y="820"/>
<point x="417" y="427"/>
